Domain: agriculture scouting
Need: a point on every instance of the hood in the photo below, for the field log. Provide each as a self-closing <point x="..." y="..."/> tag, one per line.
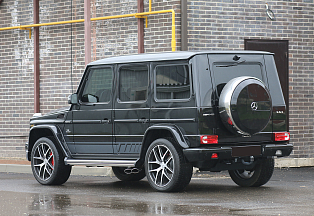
<point x="55" y="114"/>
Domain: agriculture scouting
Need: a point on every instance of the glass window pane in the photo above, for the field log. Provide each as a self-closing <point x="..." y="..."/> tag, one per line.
<point x="133" y="82"/>
<point x="172" y="82"/>
<point x="224" y="72"/>
<point x="98" y="85"/>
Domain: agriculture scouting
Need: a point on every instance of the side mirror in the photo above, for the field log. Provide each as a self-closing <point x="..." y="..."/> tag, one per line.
<point x="72" y="99"/>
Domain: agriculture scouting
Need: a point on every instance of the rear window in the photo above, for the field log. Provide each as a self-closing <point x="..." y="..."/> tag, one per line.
<point x="226" y="71"/>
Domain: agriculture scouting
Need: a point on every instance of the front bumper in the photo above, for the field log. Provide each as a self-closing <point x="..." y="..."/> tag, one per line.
<point x="205" y="153"/>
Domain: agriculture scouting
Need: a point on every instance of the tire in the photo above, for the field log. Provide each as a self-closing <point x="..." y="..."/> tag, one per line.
<point x="245" y="105"/>
<point x="47" y="163"/>
<point x="120" y="174"/>
<point x="165" y="166"/>
<point x="259" y="176"/>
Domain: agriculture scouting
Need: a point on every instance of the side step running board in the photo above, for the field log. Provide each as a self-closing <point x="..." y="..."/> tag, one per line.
<point x="117" y="163"/>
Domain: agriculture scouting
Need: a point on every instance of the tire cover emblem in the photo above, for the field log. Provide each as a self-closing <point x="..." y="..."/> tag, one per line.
<point x="254" y="106"/>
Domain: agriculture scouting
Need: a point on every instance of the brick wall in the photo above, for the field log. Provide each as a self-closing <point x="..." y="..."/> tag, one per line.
<point x="224" y="24"/>
<point x="215" y="24"/>
<point x="16" y="80"/>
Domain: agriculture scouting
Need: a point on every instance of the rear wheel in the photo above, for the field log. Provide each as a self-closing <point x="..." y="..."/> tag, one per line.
<point x="256" y="177"/>
<point x="119" y="172"/>
<point x="165" y="166"/>
<point x="47" y="163"/>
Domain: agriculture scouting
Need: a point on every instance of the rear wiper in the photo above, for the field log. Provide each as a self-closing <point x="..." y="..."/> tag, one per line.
<point x="231" y="65"/>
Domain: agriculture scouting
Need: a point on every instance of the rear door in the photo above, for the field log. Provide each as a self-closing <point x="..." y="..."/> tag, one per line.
<point x="223" y="69"/>
<point x="131" y="109"/>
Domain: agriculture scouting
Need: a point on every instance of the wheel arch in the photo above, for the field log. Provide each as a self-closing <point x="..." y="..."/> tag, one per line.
<point x="40" y="131"/>
<point x="161" y="131"/>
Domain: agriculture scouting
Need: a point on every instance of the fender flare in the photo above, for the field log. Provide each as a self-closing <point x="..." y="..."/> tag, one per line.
<point x="54" y="130"/>
<point x="176" y="132"/>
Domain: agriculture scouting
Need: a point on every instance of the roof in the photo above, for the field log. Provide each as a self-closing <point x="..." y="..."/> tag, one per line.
<point x="145" y="57"/>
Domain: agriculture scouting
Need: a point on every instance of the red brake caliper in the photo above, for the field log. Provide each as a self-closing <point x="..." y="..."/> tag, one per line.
<point x="52" y="161"/>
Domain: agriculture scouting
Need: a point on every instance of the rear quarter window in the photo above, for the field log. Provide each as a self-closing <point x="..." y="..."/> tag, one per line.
<point x="172" y="82"/>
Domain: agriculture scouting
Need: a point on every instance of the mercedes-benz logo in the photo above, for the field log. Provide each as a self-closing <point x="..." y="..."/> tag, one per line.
<point x="254" y="106"/>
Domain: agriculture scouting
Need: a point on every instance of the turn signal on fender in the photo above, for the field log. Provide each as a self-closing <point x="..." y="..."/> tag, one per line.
<point x="282" y="136"/>
<point x="209" y="139"/>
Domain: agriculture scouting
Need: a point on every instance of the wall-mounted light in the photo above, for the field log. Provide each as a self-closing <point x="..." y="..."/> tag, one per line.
<point x="270" y="13"/>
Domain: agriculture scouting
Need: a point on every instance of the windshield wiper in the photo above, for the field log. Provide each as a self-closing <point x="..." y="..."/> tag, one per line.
<point x="231" y="65"/>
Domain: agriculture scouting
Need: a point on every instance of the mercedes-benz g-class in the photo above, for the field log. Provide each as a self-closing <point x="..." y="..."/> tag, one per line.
<point x="160" y="115"/>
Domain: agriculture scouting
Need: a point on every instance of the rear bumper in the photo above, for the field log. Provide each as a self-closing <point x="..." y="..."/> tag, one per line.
<point x="205" y="153"/>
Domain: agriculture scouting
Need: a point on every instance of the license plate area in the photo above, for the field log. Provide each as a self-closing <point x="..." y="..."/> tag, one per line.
<point x="243" y="151"/>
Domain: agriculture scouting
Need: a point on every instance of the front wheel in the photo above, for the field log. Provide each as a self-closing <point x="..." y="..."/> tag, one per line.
<point x="256" y="177"/>
<point x="47" y="163"/>
<point x="165" y="166"/>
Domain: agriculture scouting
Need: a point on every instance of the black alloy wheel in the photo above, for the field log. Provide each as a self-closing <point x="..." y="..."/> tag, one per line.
<point x="47" y="163"/>
<point x="165" y="166"/>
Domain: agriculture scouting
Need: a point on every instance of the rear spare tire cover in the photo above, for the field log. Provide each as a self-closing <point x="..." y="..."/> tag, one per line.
<point x="245" y="105"/>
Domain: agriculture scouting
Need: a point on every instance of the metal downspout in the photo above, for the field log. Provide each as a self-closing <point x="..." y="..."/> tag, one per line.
<point x="140" y="27"/>
<point x="36" y="58"/>
<point x="87" y="32"/>
<point x="184" y="26"/>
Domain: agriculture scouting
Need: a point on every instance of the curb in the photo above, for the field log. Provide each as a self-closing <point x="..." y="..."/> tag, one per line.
<point x="107" y="171"/>
<point x="294" y="162"/>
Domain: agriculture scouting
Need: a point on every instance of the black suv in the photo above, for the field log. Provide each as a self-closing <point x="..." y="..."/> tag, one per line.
<point x="160" y="115"/>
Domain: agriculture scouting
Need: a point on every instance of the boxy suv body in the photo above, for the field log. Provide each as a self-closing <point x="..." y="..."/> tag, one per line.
<point x="160" y="115"/>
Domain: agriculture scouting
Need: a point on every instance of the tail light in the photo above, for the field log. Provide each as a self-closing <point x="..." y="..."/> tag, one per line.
<point x="282" y="136"/>
<point x="209" y="139"/>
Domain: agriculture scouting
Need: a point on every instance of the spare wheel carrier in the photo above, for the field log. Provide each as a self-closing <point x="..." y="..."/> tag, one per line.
<point x="245" y="105"/>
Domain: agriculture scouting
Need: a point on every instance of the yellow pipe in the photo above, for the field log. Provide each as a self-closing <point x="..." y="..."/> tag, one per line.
<point x="136" y="15"/>
<point x="29" y="31"/>
<point x="173" y="40"/>
<point x="150" y="5"/>
<point x="144" y="17"/>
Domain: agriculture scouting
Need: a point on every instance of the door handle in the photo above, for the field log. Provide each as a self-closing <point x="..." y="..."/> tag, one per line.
<point x="106" y="121"/>
<point x="143" y="120"/>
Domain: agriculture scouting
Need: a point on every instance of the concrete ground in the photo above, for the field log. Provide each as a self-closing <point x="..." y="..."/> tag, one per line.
<point x="289" y="192"/>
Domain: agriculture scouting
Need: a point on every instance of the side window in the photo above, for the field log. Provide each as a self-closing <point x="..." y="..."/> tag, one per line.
<point x="133" y="81"/>
<point x="98" y="85"/>
<point x="172" y="82"/>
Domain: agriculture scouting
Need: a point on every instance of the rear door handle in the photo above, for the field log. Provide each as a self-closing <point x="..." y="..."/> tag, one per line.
<point x="143" y="120"/>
